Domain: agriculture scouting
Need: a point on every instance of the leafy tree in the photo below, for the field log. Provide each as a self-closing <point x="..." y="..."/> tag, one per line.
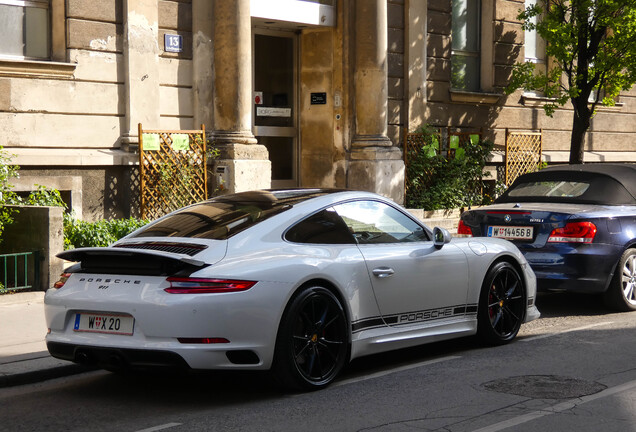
<point x="592" y="47"/>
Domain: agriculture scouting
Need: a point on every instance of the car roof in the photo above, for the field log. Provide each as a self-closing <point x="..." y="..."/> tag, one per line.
<point x="275" y="197"/>
<point x="615" y="183"/>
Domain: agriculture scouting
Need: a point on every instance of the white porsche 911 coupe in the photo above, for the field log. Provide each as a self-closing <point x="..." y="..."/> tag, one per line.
<point x="297" y="281"/>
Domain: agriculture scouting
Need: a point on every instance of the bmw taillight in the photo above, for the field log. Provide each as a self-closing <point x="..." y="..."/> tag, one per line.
<point x="574" y="232"/>
<point x="463" y="229"/>
<point x="184" y="285"/>
<point x="62" y="280"/>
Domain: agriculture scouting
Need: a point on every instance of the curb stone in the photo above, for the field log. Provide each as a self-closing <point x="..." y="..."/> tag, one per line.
<point x="36" y="370"/>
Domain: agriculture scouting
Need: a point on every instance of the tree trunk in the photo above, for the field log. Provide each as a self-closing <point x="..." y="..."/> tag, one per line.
<point x="580" y="125"/>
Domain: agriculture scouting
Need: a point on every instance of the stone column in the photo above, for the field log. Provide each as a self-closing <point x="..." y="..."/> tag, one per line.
<point x="246" y="163"/>
<point x="375" y="164"/>
<point x="202" y="54"/>
<point x="141" y="64"/>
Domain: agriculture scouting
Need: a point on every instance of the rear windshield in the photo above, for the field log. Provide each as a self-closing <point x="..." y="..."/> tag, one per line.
<point x="550" y="189"/>
<point x="223" y="217"/>
<point x="217" y="221"/>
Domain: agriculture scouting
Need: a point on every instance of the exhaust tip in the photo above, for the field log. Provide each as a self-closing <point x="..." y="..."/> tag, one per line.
<point x="115" y="361"/>
<point x="84" y="358"/>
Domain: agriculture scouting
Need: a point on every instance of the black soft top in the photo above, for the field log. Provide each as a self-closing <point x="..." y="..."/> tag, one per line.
<point x="612" y="184"/>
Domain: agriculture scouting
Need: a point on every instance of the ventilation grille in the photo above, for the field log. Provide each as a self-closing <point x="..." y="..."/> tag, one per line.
<point x="178" y="248"/>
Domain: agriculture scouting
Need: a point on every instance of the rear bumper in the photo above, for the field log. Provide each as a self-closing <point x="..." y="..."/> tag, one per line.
<point x="120" y="358"/>
<point x="584" y="268"/>
<point x="116" y="358"/>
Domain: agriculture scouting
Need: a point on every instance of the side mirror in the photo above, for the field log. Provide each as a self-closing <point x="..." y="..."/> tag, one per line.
<point x="441" y="237"/>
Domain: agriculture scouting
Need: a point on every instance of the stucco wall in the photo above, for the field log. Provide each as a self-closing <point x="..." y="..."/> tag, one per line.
<point x="176" y="111"/>
<point x="71" y="117"/>
<point x="106" y="192"/>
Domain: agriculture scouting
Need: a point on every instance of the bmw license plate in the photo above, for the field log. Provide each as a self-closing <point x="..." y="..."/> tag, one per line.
<point x="510" y="232"/>
<point x="104" y="323"/>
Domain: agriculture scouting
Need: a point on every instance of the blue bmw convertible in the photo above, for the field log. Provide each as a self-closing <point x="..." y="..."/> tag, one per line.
<point x="576" y="226"/>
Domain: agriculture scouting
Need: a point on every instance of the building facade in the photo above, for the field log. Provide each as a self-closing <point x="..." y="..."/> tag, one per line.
<point x="293" y="93"/>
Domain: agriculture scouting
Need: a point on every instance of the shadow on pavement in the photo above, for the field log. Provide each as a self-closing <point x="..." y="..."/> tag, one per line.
<point x="564" y="304"/>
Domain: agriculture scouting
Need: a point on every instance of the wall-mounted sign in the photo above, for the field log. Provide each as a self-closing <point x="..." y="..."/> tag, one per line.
<point x="172" y="43"/>
<point x="180" y="142"/>
<point x="258" y="98"/>
<point x="318" y="98"/>
<point x="273" y="112"/>
<point x="150" y="142"/>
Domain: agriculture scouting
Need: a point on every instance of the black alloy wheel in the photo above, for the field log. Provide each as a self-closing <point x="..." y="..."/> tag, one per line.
<point x="502" y="305"/>
<point x="313" y="340"/>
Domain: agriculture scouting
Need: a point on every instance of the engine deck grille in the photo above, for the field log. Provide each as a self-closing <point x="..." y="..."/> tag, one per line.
<point x="190" y="249"/>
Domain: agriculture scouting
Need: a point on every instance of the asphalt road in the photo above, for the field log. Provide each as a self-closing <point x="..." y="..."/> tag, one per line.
<point x="572" y="370"/>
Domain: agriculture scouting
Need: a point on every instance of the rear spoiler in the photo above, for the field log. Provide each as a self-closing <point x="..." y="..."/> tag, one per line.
<point x="108" y="260"/>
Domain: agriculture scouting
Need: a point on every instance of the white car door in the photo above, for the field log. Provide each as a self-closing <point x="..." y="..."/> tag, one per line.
<point x="413" y="281"/>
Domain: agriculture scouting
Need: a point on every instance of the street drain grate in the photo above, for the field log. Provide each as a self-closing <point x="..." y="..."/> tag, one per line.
<point x="545" y="386"/>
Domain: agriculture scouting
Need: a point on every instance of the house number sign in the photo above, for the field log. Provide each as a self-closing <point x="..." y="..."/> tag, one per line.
<point x="172" y="43"/>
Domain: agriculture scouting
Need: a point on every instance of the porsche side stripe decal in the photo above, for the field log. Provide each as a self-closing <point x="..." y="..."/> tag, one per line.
<point x="412" y="317"/>
<point x="367" y="323"/>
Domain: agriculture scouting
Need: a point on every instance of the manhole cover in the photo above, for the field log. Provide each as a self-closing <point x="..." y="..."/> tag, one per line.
<point x="545" y="386"/>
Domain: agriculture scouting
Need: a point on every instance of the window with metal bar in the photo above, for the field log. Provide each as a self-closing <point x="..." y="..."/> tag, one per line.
<point x="535" y="48"/>
<point x="466" y="45"/>
<point x="25" y="29"/>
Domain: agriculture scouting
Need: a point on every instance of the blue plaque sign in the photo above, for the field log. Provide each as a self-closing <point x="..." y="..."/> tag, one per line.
<point x="172" y="43"/>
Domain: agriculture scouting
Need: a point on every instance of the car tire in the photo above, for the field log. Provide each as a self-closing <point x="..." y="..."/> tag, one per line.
<point x="502" y="305"/>
<point x="621" y="293"/>
<point x="312" y="346"/>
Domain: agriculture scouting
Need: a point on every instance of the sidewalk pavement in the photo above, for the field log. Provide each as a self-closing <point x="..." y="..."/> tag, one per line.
<point x="23" y="355"/>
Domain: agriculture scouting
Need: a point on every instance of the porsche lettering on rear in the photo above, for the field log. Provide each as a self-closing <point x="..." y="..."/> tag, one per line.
<point x="114" y="281"/>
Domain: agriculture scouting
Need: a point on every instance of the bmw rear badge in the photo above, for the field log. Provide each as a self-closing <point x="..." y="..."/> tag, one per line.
<point x="507" y="218"/>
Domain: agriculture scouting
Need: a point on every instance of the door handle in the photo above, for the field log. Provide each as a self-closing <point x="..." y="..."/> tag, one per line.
<point x="383" y="272"/>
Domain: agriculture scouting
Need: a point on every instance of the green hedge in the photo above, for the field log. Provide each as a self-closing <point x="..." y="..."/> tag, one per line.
<point x="78" y="233"/>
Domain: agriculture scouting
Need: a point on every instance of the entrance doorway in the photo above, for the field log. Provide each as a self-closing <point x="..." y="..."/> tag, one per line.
<point x="275" y="102"/>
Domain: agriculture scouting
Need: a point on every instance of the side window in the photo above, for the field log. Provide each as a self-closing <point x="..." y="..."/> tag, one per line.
<point x="373" y="222"/>
<point x="324" y="227"/>
<point x="25" y="29"/>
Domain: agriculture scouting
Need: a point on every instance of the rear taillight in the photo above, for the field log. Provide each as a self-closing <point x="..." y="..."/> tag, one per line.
<point x="62" y="280"/>
<point x="463" y="229"/>
<point x="574" y="232"/>
<point x="179" y="285"/>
